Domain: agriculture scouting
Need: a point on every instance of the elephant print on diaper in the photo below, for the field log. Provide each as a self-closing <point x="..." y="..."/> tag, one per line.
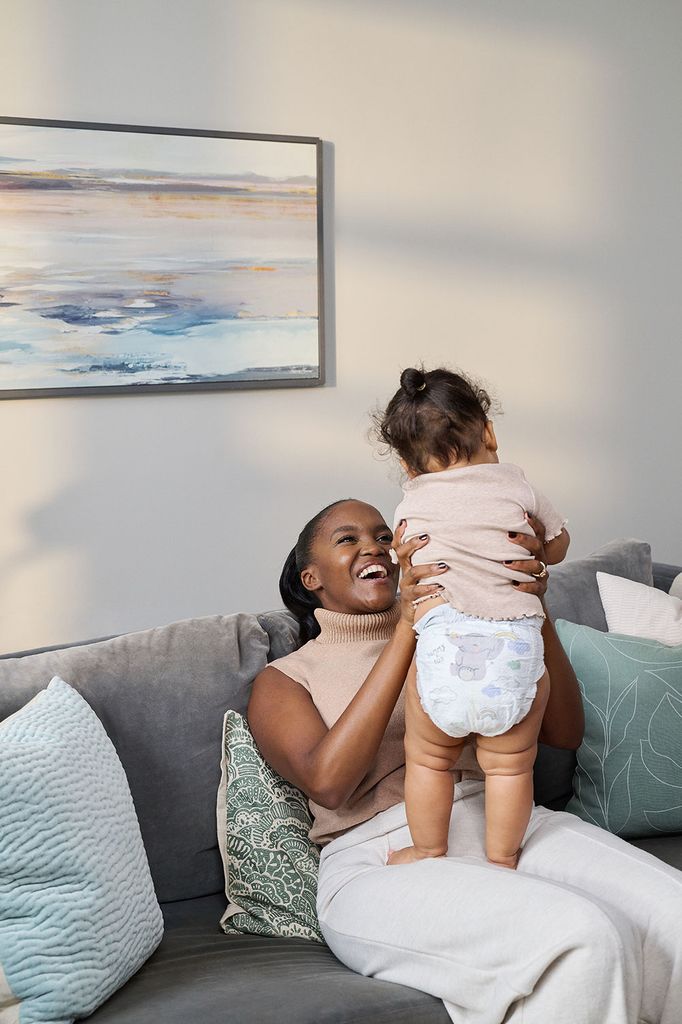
<point x="474" y="650"/>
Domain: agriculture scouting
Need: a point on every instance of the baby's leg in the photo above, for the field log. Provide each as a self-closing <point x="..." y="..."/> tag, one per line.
<point x="429" y="785"/>
<point x="507" y="761"/>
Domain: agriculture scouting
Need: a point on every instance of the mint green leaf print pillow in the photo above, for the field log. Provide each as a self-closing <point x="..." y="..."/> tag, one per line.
<point x="270" y="863"/>
<point x="628" y="778"/>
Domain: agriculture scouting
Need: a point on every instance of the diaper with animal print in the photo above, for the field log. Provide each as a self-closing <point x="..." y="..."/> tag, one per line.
<point x="477" y="675"/>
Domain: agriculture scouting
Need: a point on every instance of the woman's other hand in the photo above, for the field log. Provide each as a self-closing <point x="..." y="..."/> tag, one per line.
<point x="533" y="567"/>
<point x="410" y="586"/>
<point x="563" y="723"/>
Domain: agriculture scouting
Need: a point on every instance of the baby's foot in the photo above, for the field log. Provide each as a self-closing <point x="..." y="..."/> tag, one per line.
<point x="408" y="855"/>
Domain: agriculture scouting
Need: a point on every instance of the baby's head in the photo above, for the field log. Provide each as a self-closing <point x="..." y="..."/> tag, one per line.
<point x="436" y="419"/>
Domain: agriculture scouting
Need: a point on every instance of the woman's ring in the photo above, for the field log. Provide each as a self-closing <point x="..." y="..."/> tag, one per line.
<point x="543" y="572"/>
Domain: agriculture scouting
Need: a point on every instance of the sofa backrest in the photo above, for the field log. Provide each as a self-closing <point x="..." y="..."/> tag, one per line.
<point x="161" y="695"/>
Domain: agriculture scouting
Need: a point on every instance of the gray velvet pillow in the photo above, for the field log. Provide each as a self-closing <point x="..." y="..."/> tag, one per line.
<point x="282" y="629"/>
<point x="161" y="696"/>
<point x="573" y="593"/>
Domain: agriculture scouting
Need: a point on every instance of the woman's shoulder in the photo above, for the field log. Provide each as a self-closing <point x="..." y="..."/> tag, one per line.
<point x="296" y="664"/>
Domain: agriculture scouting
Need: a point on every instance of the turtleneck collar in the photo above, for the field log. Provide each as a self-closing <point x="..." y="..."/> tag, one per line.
<point x="342" y="627"/>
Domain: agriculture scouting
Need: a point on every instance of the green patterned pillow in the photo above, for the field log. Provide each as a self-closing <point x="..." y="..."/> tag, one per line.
<point x="270" y="863"/>
<point x="628" y="778"/>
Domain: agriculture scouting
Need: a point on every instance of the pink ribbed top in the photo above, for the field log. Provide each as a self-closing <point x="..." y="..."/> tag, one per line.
<point x="332" y="668"/>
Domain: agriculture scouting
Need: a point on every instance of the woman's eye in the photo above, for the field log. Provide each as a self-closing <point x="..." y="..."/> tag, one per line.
<point x="348" y="536"/>
<point x="386" y="538"/>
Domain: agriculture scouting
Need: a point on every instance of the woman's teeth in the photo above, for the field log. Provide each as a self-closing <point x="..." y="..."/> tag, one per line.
<point x="373" y="572"/>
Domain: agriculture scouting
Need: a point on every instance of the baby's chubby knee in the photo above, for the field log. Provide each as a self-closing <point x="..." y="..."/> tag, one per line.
<point x="435" y="756"/>
<point x="497" y="762"/>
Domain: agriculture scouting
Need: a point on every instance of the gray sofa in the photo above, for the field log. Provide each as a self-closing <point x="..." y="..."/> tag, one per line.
<point x="161" y="695"/>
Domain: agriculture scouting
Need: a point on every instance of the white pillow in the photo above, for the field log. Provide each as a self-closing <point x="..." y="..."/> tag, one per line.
<point x="638" y="610"/>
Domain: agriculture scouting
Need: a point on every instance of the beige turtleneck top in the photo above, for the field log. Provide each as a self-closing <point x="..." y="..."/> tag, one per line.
<point x="332" y="668"/>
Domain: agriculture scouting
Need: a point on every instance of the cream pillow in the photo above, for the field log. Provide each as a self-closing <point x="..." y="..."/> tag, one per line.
<point x="635" y="609"/>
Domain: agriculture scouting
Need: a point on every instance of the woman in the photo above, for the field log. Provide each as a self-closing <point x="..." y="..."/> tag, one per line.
<point x="586" y="931"/>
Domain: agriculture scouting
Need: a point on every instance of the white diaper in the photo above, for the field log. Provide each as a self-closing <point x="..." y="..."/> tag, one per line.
<point x="477" y="675"/>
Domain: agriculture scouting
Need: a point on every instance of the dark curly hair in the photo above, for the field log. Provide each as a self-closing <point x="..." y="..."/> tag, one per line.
<point x="435" y="415"/>
<point x="301" y="602"/>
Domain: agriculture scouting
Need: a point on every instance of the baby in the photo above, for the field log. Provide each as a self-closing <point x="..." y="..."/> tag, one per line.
<point x="480" y="661"/>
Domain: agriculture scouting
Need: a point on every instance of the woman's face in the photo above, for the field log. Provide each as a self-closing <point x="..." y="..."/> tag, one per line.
<point x="351" y="569"/>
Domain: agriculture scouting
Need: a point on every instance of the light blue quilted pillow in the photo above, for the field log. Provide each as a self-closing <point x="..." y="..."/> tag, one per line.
<point x="78" y="914"/>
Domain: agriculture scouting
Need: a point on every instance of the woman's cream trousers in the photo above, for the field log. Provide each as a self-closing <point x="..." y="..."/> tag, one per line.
<point x="588" y="930"/>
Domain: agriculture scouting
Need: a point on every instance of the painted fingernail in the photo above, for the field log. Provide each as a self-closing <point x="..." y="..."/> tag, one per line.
<point x="423" y="536"/>
<point x="509" y="561"/>
<point x="511" y="533"/>
<point x="515" y="583"/>
<point x="402" y="522"/>
<point x="443" y="565"/>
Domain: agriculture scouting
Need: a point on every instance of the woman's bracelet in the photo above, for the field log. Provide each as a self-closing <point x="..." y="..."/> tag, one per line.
<point x="427" y="597"/>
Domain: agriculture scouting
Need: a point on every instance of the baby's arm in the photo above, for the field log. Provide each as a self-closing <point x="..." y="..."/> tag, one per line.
<point x="555" y="549"/>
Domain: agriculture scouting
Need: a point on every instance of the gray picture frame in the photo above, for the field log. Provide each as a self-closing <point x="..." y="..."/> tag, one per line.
<point x="302" y="375"/>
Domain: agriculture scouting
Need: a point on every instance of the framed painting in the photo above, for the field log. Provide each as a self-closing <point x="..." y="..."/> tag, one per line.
<point x="137" y="259"/>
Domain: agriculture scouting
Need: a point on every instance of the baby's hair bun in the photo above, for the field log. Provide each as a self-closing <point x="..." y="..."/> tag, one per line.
<point x="413" y="382"/>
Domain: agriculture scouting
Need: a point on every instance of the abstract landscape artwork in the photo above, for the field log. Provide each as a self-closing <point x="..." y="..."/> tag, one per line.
<point x="151" y="259"/>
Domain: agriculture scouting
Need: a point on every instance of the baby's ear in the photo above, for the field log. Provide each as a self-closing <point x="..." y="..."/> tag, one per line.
<point x="489" y="439"/>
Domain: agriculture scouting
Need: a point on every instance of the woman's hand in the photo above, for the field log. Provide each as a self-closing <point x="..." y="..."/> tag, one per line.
<point x="531" y="566"/>
<point x="410" y="586"/>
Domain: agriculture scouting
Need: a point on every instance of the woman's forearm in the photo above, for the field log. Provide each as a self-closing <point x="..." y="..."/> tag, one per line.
<point x="346" y="753"/>
<point x="564" y="721"/>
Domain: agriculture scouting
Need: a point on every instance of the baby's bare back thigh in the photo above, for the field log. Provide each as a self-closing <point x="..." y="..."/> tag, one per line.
<point x="425" y="743"/>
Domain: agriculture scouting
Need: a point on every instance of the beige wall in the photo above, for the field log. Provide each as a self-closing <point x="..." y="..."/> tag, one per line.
<point x="506" y="181"/>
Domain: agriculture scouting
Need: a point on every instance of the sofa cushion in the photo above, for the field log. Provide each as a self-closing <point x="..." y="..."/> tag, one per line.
<point x="270" y="864"/>
<point x="666" y="848"/>
<point x="161" y="695"/>
<point x="628" y="777"/>
<point x="282" y="629"/>
<point x="199" y="974"/>
<point x="572" y="591"/>
<point x="78" y="914"/>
